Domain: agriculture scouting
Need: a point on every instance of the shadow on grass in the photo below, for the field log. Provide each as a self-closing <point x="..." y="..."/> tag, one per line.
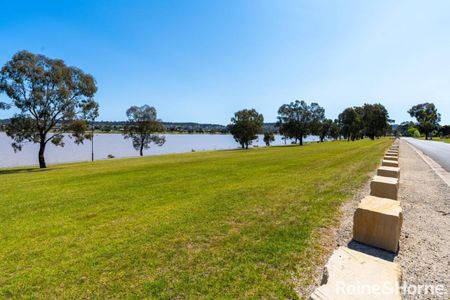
<point x="369" y="250"/>
<point x="22" y="170"/>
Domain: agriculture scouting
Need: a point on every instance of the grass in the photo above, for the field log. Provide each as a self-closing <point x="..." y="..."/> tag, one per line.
<point x="225" y="224"/>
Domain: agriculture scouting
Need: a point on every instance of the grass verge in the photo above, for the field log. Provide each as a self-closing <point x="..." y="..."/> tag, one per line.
<point x="225" y="224"/>
<point x="437" y="139"/>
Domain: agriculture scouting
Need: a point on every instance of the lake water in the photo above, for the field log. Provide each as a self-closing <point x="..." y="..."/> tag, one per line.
<point x="116" y="145"/>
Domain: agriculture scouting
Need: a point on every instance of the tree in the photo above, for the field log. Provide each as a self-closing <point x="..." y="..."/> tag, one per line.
<point x="351" y="124"/>
<point x="142" y="128"/>
<point x="375" y="120"/>
<point x="317" y="117"/>
<point x="298" y="119"/>
<point x="412" y="131"/>
<point x="335" y="130"/>
<point x="325" y="129"/>
<point x="90" y="113"/>
<point x="268" y="138"/>
<point x="427" y="118"/>
<point x="50" y="97"/>
<point x="445" y="130"/>
<point x="282" y="130"/>
<point x="245" y="125"/>
<point x="403" y="128"/>
<point x="360" y="133"/>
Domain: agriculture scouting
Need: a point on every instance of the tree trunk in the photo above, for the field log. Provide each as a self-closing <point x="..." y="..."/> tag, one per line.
<point x="301" y="140"/>
<point x="141" y="150"/>
<point x="246" y="146"/>
<point x="92" y="149"/>
<point x="321" y="139"/>
<point x="41" y="157"/>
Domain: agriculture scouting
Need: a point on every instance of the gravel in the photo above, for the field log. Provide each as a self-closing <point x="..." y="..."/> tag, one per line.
<point x="424" y="254"/>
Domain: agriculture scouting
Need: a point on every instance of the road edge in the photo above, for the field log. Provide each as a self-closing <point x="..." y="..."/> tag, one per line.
<point x="443" y="174"/>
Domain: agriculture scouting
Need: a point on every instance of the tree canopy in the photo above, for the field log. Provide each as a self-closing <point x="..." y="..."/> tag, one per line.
<point x="351" y="123"/>
<point x="245" y="125"/>
<point x="269" y="137"/>
<point x="143" y="127"/>
<point x="325" y="129"/>
<point x="375" y="120"/>
<point x="370" y="120"/>
<point x="427" y="118"/>
<point x="298" y="119"/>
<point x="50" y="97"/>
<point x="445" y="130"/>
<point x="335" y="130"/>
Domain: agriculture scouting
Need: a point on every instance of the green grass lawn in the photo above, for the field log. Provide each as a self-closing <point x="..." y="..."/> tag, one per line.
<point x="224" y="224"/>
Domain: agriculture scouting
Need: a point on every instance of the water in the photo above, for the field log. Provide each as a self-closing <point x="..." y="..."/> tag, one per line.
<point x="116" y="145"/>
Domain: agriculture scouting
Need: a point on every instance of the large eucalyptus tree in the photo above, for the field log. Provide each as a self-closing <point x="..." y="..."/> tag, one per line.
<point x="51" y="99"/>
<point x="143" y="128"/>
<point x="298" y="119"/>
<point x="245" y="125"/>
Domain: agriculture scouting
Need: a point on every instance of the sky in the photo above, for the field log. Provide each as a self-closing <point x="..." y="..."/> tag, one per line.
<point x="201" y="61"/>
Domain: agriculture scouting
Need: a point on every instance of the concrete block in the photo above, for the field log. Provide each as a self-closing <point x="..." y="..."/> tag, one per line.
<point x="389" y="163"/>
<point x="392" y="153"/>
<point x="384" y="187"/>
<point x="377" y="222"/>
<point x="391" y="157"/>
<point x="389" y="172"/>
<point x="348" y="273"/>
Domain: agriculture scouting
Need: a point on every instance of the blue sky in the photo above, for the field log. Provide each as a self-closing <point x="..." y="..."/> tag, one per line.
<point x="203" y="60"/>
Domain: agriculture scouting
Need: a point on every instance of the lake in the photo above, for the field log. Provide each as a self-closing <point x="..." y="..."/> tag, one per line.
<point x="116" y="145"/>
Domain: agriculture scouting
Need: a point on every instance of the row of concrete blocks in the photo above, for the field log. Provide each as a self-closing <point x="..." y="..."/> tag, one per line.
<point x="377" y="222"/>
<point x="378" y="219"/>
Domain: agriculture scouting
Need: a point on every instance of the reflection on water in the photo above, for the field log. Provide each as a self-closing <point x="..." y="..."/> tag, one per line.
<point x="116" y="145"/>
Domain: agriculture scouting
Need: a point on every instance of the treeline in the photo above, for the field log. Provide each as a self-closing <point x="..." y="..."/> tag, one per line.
<point x="298" y="119"/>
<point x="172" y="127"/>
<point x="54" y="100"/>
<point x="169" y="127"/>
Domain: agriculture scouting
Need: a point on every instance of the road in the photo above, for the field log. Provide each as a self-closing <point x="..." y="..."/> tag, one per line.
<point x="438" y="151"/>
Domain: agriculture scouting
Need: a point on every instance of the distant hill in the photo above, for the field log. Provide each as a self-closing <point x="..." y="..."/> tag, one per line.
<point x="181" y="127"/>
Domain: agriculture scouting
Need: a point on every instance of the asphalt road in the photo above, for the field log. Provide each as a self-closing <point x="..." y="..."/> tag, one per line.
<point x="438" y="151"/>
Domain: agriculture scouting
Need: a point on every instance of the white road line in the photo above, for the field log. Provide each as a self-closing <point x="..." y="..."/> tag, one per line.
<point x="443" y="174"/>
